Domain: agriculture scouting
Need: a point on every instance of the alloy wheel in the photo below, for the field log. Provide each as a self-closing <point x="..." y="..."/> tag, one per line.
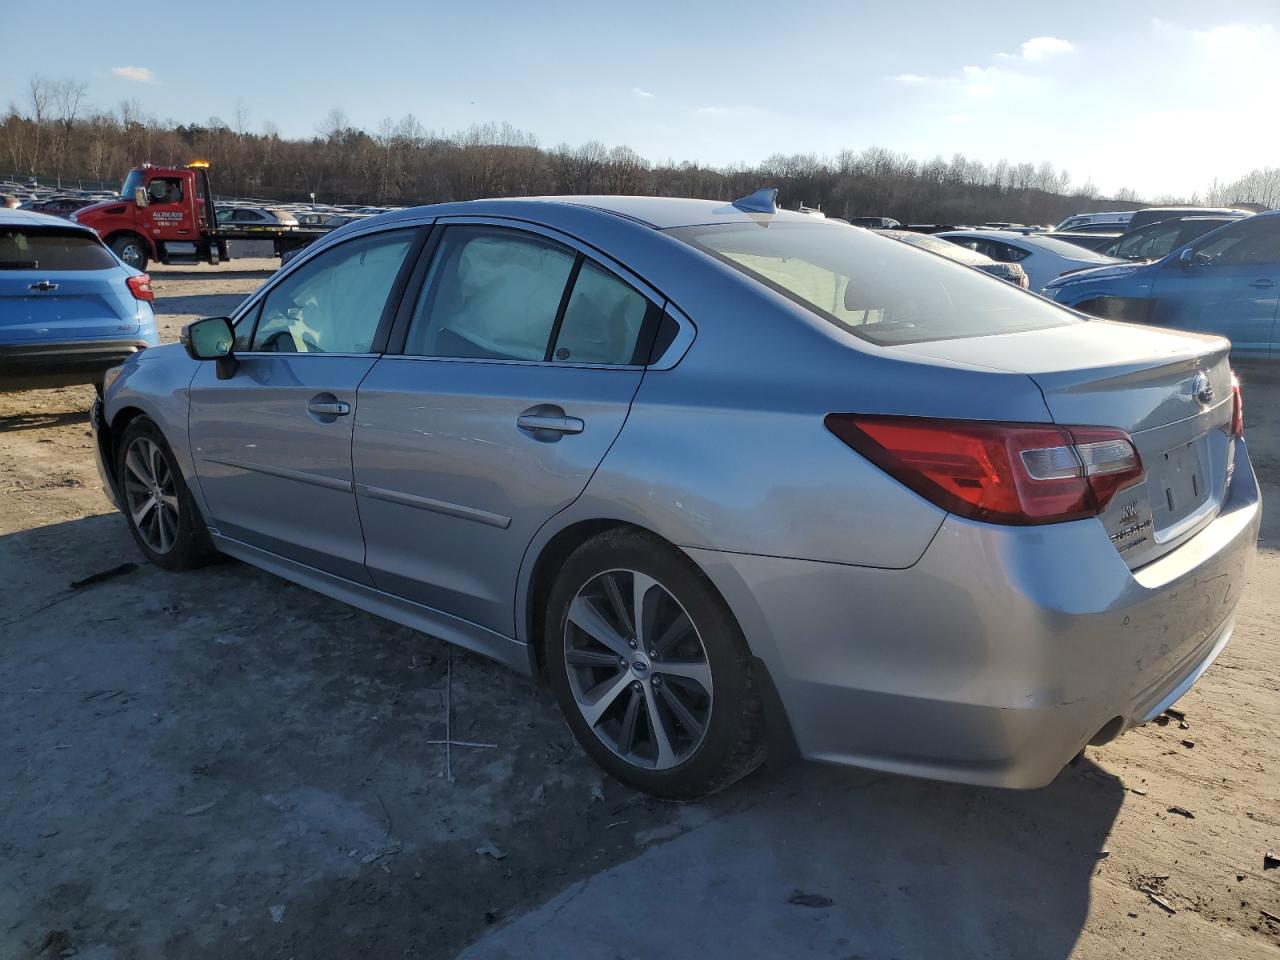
<point x="131" y="254"/>
<point x="151" y="494"/>
<point x="638" y="669"/>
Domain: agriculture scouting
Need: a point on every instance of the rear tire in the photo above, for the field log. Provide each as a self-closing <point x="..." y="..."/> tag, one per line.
<point x="686" y="669"/>
<point x="129" y="248"/>
<point x="158" y="506"/>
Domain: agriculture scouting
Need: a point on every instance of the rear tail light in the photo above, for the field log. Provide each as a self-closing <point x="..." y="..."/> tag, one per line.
<point x="1237" y="408"/>
<point x="1013" y="473"/>
<point x="140" y="287"/>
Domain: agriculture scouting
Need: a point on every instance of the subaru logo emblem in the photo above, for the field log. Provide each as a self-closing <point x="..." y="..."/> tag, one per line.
<point x="639" y="666"/>
<point x="1202" y="388"/>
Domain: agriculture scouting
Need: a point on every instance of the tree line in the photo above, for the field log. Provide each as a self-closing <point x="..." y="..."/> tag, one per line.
<point x="53" y="132"/>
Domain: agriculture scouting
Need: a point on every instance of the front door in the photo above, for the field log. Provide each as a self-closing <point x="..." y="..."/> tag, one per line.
<point x="272" y="444"/>
<point x="1230" y="287"/>
<point x="519" y="366"/>
<point x="167" y="215"/>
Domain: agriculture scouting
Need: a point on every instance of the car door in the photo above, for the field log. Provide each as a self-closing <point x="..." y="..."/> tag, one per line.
<point x="167" y="210"/>
<point x="1229" y="286"/>
<point x="272" y="444"/>
<point x="520" y="359"/>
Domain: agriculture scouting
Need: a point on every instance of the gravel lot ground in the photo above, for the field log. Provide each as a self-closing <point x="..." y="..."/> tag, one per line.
<point x="220" y="764"/>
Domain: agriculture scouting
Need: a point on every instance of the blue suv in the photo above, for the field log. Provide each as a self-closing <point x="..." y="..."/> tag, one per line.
<point x="69" y="308"/>
<point x="1226" y="282"/>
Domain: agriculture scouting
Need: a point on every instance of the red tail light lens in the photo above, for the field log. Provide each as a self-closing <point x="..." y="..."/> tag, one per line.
<point x="1237" y="408"/>
<point x="140" y="287"/>
<point x="1012" y="473"/>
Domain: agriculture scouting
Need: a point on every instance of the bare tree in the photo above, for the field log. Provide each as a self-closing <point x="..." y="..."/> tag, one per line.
<point x="38" y="94"/>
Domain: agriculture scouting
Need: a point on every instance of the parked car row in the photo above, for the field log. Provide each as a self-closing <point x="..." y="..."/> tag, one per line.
<point x="1225" y="281"/>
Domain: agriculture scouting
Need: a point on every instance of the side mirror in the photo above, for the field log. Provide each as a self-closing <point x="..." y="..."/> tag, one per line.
<point x="139" y="196"/>
<point x="212" y="339"/>
<point x="1187" y="258"/>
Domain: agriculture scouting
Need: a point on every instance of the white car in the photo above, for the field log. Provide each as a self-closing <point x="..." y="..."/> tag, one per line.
<point x="240" y="216"/>
<point x="1113" y="220"/>
<point x="1042" y="257"/>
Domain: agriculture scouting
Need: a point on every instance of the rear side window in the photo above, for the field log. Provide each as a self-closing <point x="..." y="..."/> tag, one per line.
<point x="604" y="321"/>
<point x="25" y="248"/>
<point x="875" y="288"/>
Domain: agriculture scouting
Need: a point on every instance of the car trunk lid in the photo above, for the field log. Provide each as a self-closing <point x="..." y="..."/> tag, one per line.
<point x="37" y="305"/>
<point x="1171" y="391"/>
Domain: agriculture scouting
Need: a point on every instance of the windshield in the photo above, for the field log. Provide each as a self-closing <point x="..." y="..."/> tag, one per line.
<point x="131" y="183"/>
<point x="879" y="290"/>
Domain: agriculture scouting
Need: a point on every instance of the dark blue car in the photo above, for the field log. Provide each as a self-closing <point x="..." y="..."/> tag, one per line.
<point x="1226" y="282"/>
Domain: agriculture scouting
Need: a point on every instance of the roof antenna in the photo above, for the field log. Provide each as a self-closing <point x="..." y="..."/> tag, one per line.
<point x="762" y="201"/>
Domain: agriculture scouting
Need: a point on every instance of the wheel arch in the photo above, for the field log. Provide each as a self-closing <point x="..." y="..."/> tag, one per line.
<point x="553" y="549"/>
<point x="550" y="557"/>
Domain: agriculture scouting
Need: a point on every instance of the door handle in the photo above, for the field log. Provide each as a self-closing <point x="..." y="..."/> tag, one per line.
<point x="1263" y="284"/>
<point x="329" y="408"/>
<point x="560" y="424"/>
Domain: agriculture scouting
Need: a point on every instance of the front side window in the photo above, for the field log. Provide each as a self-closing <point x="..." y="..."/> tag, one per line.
<point x="165" y="190"/>
<point x="334" y="302"/>
<point x="1252" y="241"/>
<point x="491" y="294"/>
<point x="877" y="289"/>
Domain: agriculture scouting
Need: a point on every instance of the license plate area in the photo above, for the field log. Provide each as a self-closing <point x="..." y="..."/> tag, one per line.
<point x="1179" y="484"/>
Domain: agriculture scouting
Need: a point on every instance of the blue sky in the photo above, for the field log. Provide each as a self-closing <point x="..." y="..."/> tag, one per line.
<point x="1162" y="98"/>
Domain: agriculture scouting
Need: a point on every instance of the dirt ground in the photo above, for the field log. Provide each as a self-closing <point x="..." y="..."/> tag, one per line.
<point x="220" y="764"/>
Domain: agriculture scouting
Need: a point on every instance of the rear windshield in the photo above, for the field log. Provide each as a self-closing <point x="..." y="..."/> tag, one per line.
<point x="879" y="289"/>
<point x="45" y="248"/>
<point x="1064" y="249"/>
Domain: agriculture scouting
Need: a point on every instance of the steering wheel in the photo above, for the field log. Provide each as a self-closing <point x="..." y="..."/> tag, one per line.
<point x="281" y="342"/>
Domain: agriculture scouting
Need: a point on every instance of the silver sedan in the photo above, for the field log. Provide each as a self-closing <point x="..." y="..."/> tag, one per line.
<point x="729" y="479"/>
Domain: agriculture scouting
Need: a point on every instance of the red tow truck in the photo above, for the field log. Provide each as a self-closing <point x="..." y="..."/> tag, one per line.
<point x="167" y="214"/>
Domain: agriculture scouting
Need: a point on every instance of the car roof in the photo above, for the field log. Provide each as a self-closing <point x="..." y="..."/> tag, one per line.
<point x="661" y="213"/>
<point x="29" y="218"/>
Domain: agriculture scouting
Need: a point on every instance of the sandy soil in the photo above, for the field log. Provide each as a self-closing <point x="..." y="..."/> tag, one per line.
<point x="221" y="764"/>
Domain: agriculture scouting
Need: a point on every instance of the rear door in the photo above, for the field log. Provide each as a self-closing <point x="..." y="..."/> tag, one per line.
<point x="520" y="358"/>
<point x="61" y="284"/>
<point x="272" y="444"/>
<point x="1231" y="287"/>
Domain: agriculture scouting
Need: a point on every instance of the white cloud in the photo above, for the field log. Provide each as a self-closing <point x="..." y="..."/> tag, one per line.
<point x="912" y="78"/>
<point x="139" y="74"/>
<point x="1037" y="48"/>
<point x="984" y="81"/>
<point x="642" y="93"/>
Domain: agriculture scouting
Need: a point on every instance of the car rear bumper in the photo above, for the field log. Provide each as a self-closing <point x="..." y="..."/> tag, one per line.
<point x="60" y="364"/>
<point x="999" y="655"/>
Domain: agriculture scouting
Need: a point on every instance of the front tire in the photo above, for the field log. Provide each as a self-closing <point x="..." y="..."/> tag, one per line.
<point x="651" y="670"/>
<point x="162" y="515"/>
<point x="129" y="248"/>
